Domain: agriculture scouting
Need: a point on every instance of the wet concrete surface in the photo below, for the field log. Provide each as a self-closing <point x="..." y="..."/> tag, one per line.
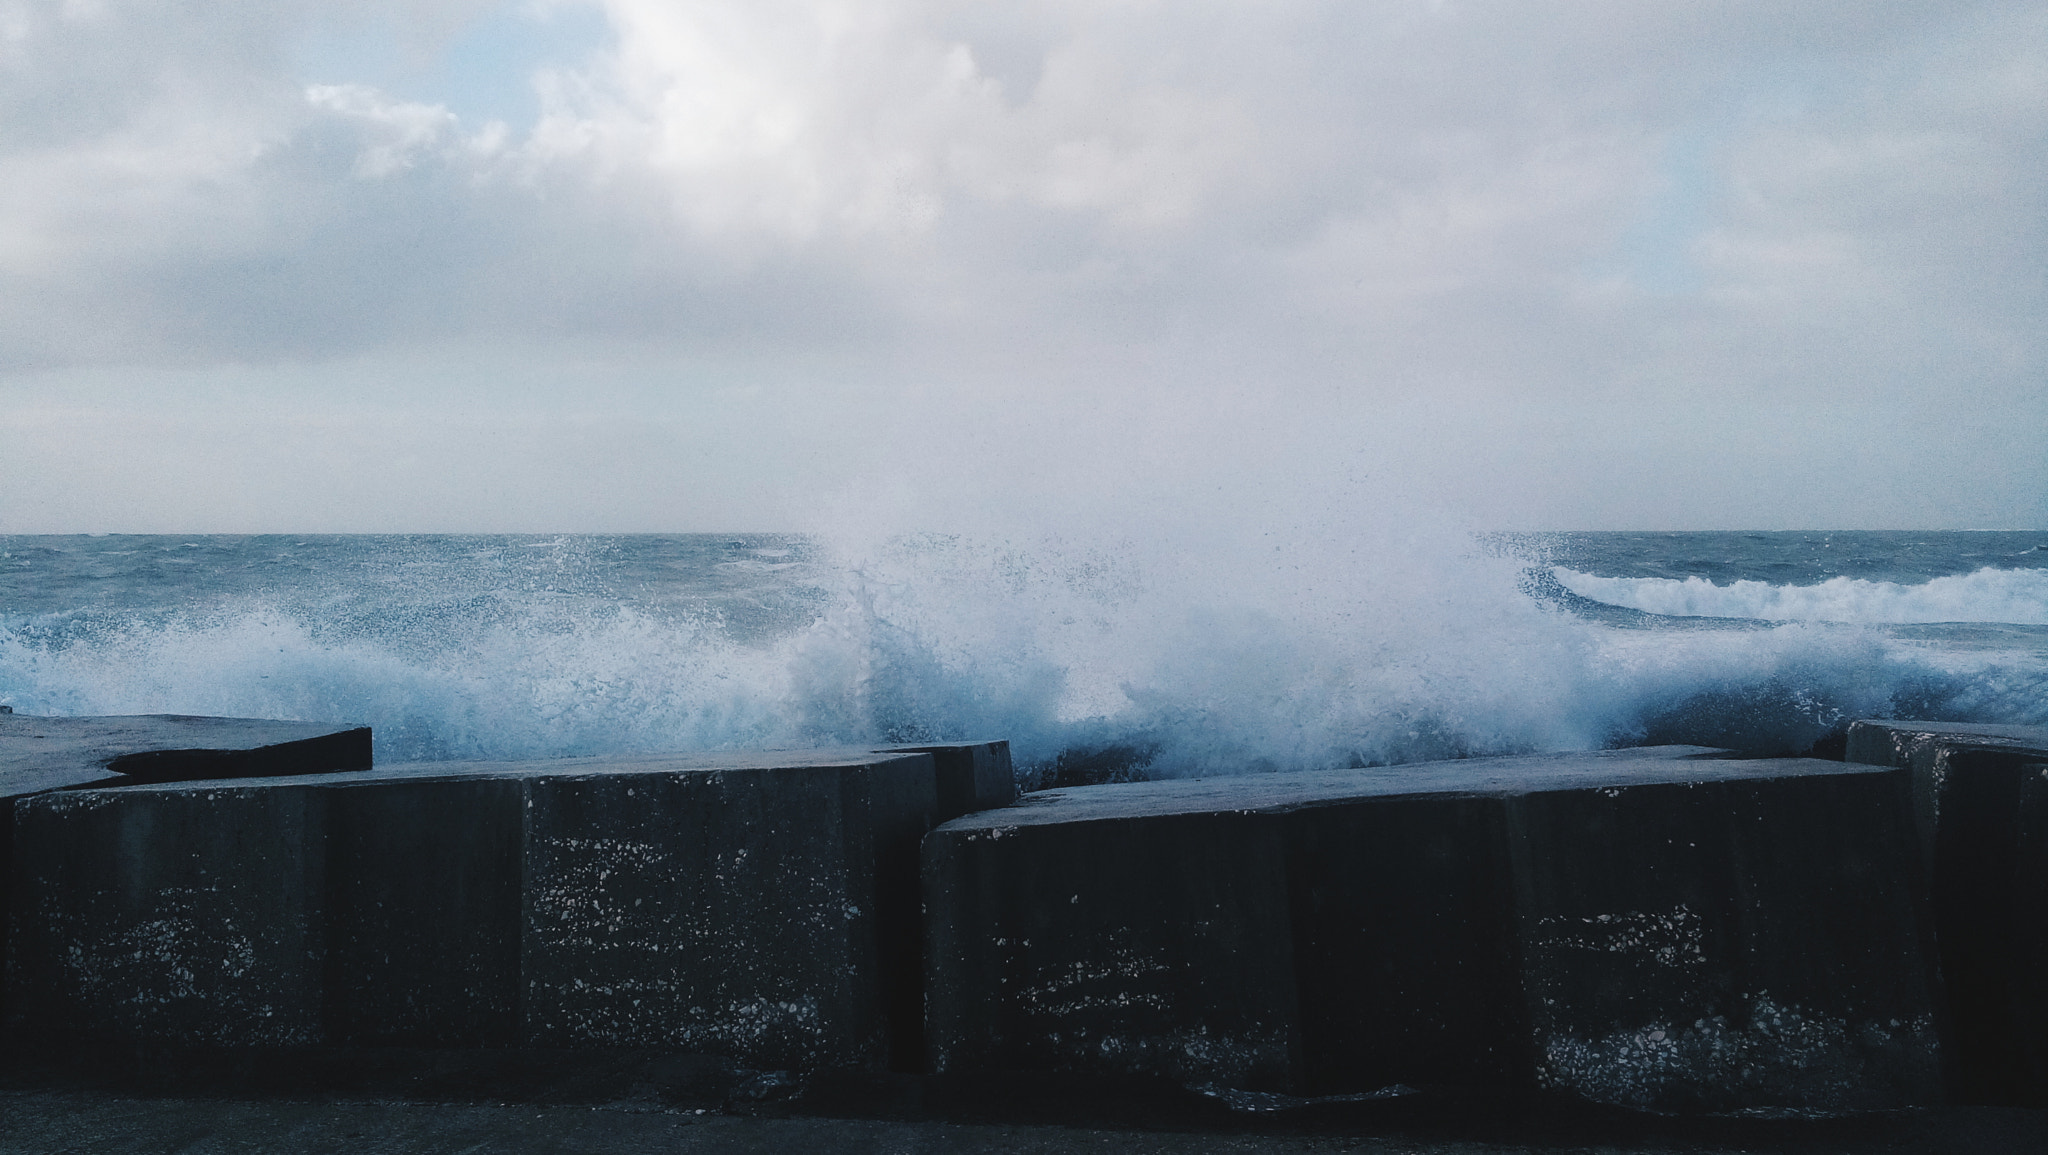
<point x="419" y="1102"/>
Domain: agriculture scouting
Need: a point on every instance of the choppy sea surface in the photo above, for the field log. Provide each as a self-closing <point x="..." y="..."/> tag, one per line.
<point x="1105" y="657"/>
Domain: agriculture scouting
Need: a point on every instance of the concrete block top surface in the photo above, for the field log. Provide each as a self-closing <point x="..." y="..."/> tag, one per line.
<point x="690" y="762"/>
<point x="585" y="766"/>
<point x="1500" y="777"/>
<point x="1886" y="742"/>
<point x="39" y="754"/>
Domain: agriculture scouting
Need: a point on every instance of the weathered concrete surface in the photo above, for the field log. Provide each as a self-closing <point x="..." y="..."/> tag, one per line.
<point x="1405" y="950"/>
<point x="190" y="915"/>
<point x="1886" y="742"/>
<point x="404" y="889"/>
<point x="1450" y="922"/>
<point x="969" y="776"/>
<point x="880" y="817"/>
<point x="730" y="910"/>
<point x="1132" y="943"/>
<point x="966" y="777"/>
<point x="1218" y="929"/>
<point x="1978" y="805"/>
<point x="759" y="904"/>
<point x="423" y="912"/>
<point x="38" y="754"/>
<point x="1722" y="945"/>
<point x="781" y="875"/>
<point x="2030" y="908"/>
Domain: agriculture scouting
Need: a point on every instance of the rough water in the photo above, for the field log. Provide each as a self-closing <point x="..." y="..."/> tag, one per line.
<point x="1098" y="657"/>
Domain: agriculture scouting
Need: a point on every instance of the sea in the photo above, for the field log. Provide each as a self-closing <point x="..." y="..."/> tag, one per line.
<point x="1100" y="658"/>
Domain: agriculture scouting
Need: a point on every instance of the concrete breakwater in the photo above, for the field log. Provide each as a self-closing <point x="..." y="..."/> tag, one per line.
<point x="1667" y="928"/>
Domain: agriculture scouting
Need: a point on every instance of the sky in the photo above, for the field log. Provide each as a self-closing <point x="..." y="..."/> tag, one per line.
<point x="547" y="265"/>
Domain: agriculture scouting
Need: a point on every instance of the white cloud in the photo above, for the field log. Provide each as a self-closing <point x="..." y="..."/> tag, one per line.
<point x="401" y="132"/>
<point x="1360" y="222"/>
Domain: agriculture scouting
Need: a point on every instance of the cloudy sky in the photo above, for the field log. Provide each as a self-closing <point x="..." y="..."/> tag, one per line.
<point x="550" y="265"/>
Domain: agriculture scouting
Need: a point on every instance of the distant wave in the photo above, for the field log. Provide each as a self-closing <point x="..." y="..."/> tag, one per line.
<point x="2011" y="596"/>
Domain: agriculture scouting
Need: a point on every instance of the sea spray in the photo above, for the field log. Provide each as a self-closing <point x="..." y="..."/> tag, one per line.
<point x="1226" y="648"/>
<point x="2018" y="597"/>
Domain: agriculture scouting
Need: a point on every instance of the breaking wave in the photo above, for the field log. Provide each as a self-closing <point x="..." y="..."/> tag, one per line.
<point x="2011" y="596"/>
<point x="1097" y="658"/>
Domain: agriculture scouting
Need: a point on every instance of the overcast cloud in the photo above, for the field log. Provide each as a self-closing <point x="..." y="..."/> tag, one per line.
<point x="725" y="265"/>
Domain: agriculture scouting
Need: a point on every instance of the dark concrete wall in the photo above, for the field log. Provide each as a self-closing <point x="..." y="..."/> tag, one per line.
<point x="729" y="912"/>
<point x="1727" y="944"/>
<point x="767" y="910"/>
<point x="970" y="776"/>
<point x="423" y="913"/>
<point x="1653" y="928"/>
<point x="7" y="901"/>
<point x="1978" y="802"/>
<point x="1126" y="945"/>
<point x="190" y="916"/>
<point x="1651" y="931"/>
<point x="2030" y="918"/>
<point x="1406" y="961"/>
<point x="39" y="754"/>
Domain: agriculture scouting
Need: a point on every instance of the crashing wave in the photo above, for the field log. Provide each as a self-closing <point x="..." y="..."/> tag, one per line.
<point x="1097" y="660"/>
<point x="2010" y="596"/>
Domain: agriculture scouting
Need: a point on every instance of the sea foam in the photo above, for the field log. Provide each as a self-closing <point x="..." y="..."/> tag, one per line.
<point x="2012" y="596"/>
<point x="1173" y="654"/>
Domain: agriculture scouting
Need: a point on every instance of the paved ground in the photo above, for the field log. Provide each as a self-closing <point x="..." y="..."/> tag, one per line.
<point x="48" y="1121"/>
<point x="371" y="1102"/>
<point x="46" y="1124"/>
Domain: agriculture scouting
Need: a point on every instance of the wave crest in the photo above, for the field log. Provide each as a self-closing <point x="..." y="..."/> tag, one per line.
<point x="1105" y="659"/>
<point x="2010" y="596"/>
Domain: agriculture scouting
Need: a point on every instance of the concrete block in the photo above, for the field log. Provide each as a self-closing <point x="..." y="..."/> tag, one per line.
<point x="2030" y="902"/>
<point x="1929" y="752"/>
<point x="737" y="910"/>
<point x="759" y="906"/>
<point x="423" y="911"/>
<point x="1493" y="922"/>
<point x="38" y="754"/>
<point x="1404" y="945"/>
<point x="1219" y="929"/>
<point x="1975" y="804"/>
<point x="1134" y="943"/>
<point x="1720" y="945"/>
<point x="1973" y="800"/>
<point x="970" y="776"/>
<point x="1914" y="745"/>
<point x="179" y="915"/>
<point x="6" y="901"/>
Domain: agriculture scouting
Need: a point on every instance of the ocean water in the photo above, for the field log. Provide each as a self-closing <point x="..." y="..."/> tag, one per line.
<point x="1099" y="657"/>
